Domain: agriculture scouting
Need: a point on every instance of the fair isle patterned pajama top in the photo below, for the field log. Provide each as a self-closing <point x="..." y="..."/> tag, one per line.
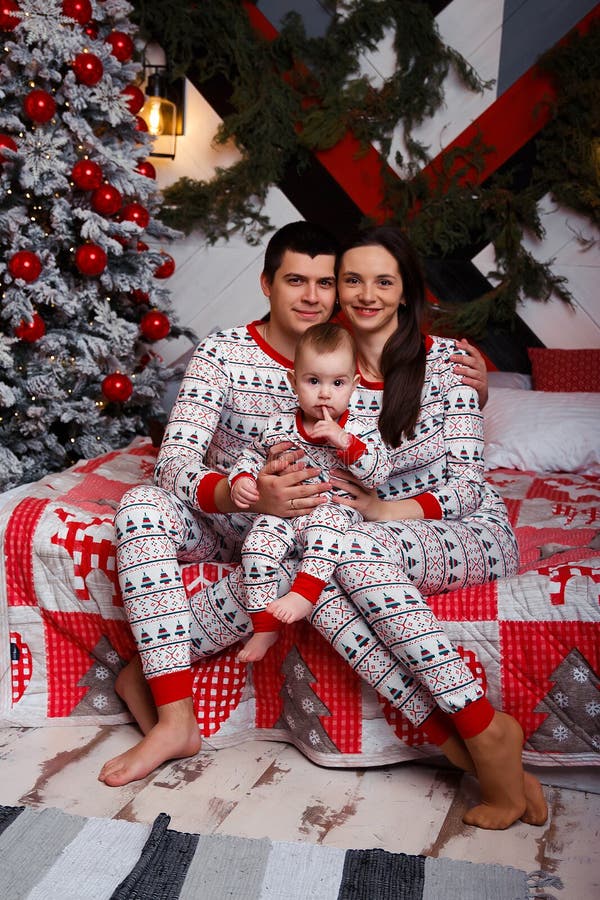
<point x="385" y="629"/>
<point x="317" y="537"/>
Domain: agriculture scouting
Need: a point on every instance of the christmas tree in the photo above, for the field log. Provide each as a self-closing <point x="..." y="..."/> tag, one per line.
<point x="83" y="296"/>
<point x="572" y="709"/>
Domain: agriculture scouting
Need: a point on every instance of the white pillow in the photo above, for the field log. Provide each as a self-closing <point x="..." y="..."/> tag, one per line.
<point x="542" y="431"/>
<point x="509" y="380"/>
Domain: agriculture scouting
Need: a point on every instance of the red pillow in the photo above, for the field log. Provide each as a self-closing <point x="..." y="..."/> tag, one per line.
<point x="564" y="370"/>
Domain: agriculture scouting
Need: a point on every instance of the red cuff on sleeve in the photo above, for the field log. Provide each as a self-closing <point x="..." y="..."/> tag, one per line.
<point x="242" y="475"/>
<point x="308" y="586"/>
<point x="171" y="687"/>
<point x="205" y="494"/>
<point x="430" y="506"/>
<point x="264" y="621"/>
<point x="353" y="451"/>
<point x="473" y="718"/>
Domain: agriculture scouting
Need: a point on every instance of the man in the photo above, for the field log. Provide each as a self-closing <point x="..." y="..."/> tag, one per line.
<point x="235" y="380"/>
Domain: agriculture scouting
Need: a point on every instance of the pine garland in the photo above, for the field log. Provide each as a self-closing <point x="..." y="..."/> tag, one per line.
<point x="295" y="94"/>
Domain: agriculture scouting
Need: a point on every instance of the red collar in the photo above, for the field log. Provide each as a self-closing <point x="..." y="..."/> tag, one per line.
<point x="303" y="432"/>
<point x="266" y="348"/>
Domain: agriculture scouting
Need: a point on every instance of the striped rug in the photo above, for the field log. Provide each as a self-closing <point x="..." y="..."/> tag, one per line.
<point x="48" y="854"/>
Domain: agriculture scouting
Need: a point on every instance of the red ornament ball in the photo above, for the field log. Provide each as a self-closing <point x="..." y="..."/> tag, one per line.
<point x="142" y="246"/>
<point x="86" y="175"/>
<point x="134" y="97"/>
<point x="26" y="265"/>
<point x="31" y="331"/>
<point x="8" y="22"/>
<point x="91" y="31"/>
<point x="7" y="141"/>
<point x="121" y="45"/>
<point x="90" y="259"/>
<point x="155" y="325"/>
<point x="88" y="68"/>
<point x="39" y="105"/>
<point x="135" y="212"/>
<point x="140" y="124"/>
<point x="146" y="168"/>
<point x="80" y="10"/>
<point x="139" y="296"/>
<point x="166" y="269"/>
<point x="106" y="200"/>
<point x="117" y="387"/>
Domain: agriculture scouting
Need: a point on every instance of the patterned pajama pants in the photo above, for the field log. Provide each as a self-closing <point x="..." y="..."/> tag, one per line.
<point x="414" y="557"/>
<point x="155" y="532"/>
<point x="317" y="537"/>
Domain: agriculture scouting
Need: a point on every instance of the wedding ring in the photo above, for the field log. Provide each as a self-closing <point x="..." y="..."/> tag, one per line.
<point x="292" y="505"/>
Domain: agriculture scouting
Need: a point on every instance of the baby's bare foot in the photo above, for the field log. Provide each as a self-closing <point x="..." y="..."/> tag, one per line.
<point x="290" y="608"/>
<point x="257" y="646"/>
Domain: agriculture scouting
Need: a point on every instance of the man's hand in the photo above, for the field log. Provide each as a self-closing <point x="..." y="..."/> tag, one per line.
<point x="281" y="484"/>
<point x="472" y="369"/>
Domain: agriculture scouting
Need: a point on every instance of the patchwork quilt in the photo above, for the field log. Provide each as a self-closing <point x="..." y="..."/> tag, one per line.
<point x="533" y="640"/>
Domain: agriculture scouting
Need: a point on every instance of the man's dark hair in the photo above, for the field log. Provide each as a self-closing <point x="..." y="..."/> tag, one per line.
<point x="299" y="237"/>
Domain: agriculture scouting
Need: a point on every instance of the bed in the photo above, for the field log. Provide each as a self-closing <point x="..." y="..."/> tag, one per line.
<point x="533" y="640"/>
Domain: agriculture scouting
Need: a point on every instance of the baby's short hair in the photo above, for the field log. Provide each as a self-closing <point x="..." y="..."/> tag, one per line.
<point x="326" y="338"/>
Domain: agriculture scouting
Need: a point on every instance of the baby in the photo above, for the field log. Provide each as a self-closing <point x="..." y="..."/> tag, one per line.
<point x="324" y="377"/>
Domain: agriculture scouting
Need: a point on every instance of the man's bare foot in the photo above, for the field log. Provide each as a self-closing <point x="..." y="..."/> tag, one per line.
<point x="536" y="808"/>
<point x="257" y="646"/>
<point x="496" y="755"/>
<point x="134" y="691"/>
<point x="290" y="608"/>
<point x="174" y="736"/>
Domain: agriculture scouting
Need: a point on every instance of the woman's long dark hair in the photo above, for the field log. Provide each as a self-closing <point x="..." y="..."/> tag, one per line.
<point x="403" y="357"/>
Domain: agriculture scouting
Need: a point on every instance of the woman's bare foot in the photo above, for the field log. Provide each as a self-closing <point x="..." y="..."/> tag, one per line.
<point x="134" y="691"/>
<point x="536" y="811"/>
<point x="496" y="755"/>
<point x="257" y="646"/>
<point x="175" y="736"/>
<point x="536" y="808"/>
<point x="290" y="608"/>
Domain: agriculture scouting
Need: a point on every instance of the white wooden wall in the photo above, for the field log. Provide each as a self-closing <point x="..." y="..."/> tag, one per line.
<point x="218" y="286"/>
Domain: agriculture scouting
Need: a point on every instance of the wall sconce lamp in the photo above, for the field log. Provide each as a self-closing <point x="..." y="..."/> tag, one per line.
<point x="163" y="111"/>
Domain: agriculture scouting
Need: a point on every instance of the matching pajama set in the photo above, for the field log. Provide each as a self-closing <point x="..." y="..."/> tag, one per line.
<point x="372" y="610"/>
<point x="319" y="535"/>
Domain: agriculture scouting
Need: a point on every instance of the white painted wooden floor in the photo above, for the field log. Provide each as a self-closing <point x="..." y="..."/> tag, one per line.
<point x="265" y="789"/>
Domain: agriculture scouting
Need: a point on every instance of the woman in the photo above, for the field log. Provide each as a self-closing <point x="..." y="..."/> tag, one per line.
<point x="436" y="526"/>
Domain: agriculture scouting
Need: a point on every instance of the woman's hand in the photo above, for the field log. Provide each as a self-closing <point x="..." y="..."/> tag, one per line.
<point x="281" y="484"/>
<point x="364" y="500"/>
<point x="369" y="505"/>
<point x="472" y="369"/>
